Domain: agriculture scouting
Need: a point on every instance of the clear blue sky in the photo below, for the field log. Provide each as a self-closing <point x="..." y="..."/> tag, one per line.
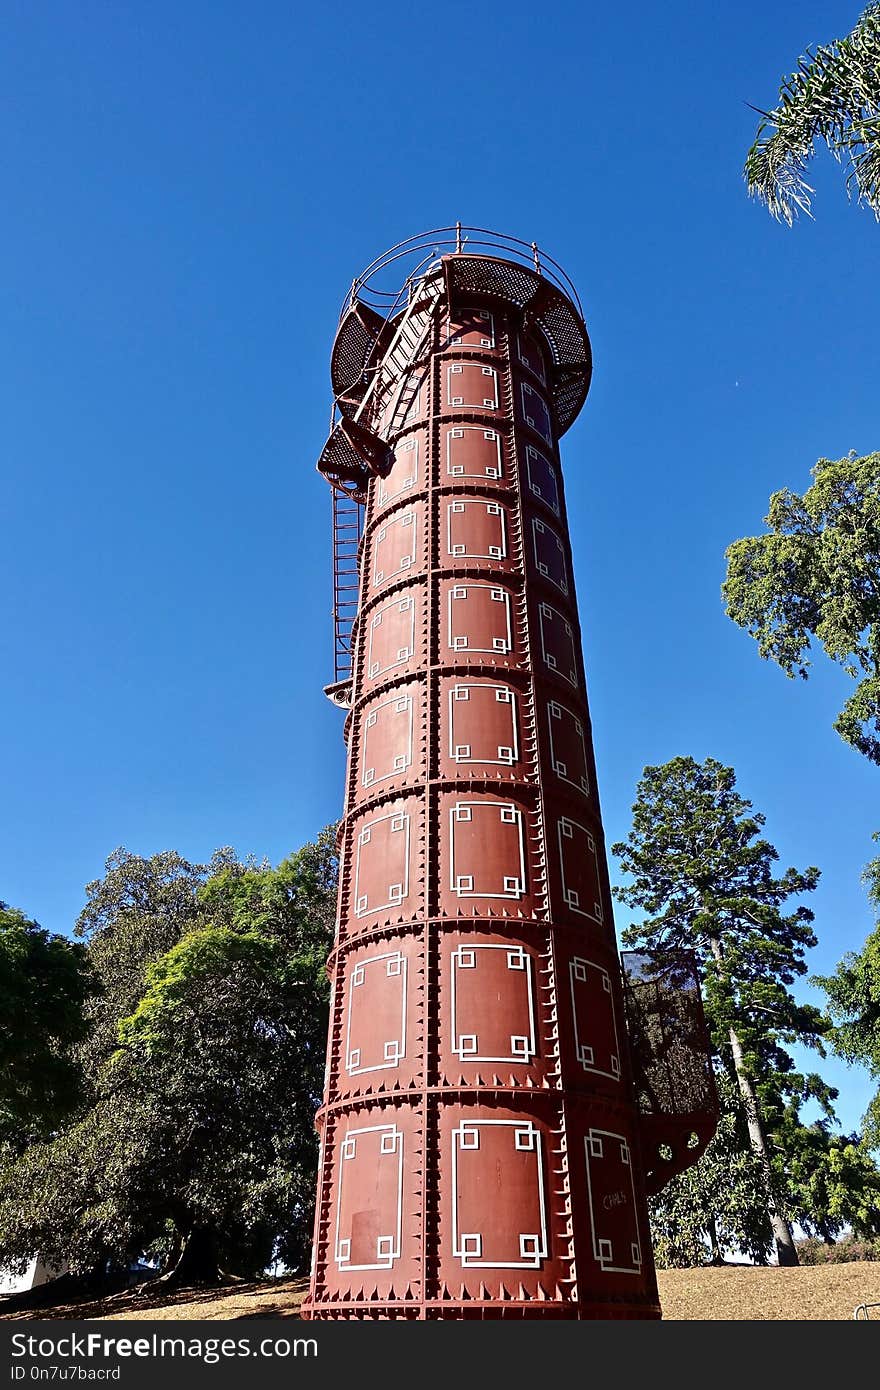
<point x="188" y="189"/>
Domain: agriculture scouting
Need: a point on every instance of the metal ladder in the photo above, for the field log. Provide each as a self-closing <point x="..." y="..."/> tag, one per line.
<point x="390" y="381"/>
<point x="391" y="375"/>
<point x="348" y="525"/>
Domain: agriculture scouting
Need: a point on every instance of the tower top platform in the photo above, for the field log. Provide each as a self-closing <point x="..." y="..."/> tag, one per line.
<point x="478" y="266"/>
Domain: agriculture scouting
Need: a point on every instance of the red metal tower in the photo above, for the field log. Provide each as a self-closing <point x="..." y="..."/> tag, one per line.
<point x="483" y="1153"/>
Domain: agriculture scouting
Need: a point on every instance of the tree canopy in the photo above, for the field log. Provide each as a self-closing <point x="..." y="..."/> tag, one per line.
<point x="137" y="911"/>
<point x="721" y="1203"/>
<point x="826" y="1182"/>
<point x="816" y="576"/>
<point x="205" y="1065"/>
<point x="831" y="1180"/>
<point x="705" y="878"/>
<point x="854" y="1001"/>
<point x="44" y="984"/>
<point x="833" y="98"/>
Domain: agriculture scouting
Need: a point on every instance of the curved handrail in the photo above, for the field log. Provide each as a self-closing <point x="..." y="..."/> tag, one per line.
<point x="863" y="1310"/>
<point x="456" y="238"/>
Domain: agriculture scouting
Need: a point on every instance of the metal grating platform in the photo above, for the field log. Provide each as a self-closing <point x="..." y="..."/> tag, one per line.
<point x="671" y="1060"/>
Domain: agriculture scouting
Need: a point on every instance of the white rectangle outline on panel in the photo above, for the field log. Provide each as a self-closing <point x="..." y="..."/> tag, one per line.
<point x="393" y="958"/>
<point x="404" y="520"/>
<point x="529" y="1258"/>
<point x="539" y="375"/>
<point x="384" y="1259"/>
<point x="581" y="1048"/>
<point x="407" y="446"/>
<point x="540" y="527"/>
<point x="455" y="339"/>
<point x="555" y="763"/>
<point x="517" y="959"/>
<point x="403" y="605"/>
<point x="394" y="900"/>
<point x="457" y="470"/>
<point x="459" y="642"/>
<point x="402" y="701"/>
<point x="525" y="388"/>
<point x="549" y="659"/>
<point x="595" y="1136"/>
<point x="561" y="834"/>
<point x="492" y="508"/>
<point x="487" y="403"/>
<point x="531" y="450"/>
<point x="504" y="695"/>
<point x="518" y="885"/>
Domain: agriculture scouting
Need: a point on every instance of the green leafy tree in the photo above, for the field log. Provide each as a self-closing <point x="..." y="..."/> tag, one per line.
<point x="198" y="1144"/>
<point x="816" y="577"/>
<point x="834" y="97"/>
<point x="832" y="1181"/>
<point x="705" y="879"/>
<point x="84" y="1198"/>
<point x="136" y="912"/>
<point x="228" y="1044"/>
<point x="854" y="1001"/>
<point x="721" y="1204"/>
<point x="44" y="985"/>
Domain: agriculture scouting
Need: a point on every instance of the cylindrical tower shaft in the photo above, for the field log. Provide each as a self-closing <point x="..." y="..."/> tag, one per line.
<point x="480" y="1147"/>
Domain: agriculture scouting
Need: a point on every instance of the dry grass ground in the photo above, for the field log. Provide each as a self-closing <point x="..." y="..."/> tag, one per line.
<point x="740" y="1293"/>
<point x="812" y="1293"/>
<point x="274" y="1298"/>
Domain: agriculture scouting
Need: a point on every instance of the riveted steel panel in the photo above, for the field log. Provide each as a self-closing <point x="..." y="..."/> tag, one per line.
<point x="590" y="1016"/>
<point x="470" y="386"/>
<point x="567" y="739"/>
<point x="387" y="742"/>
<point x="483" y="729"/>
<point x="496" y="1009"/>
<point x="488" y="862"/>
<point x="407" y="476"/>
<point x="478" y="533"/>
<point x="467" y="327"/>
<point x="392" y="638"/>
<point x="379" y="1008"/>
<point x="530" y="355"/>
<point x="384" y="865"/>
<point x="500" y="1208"/>
<point x="555" y="645"/>
<point x="476" y="453"/>
<point x="369" y="1221"/>
<point x="548" y="556"/>
<point x="481" y="622"/>
<point x="533" y="410"/>
<point x="539" y="476"/>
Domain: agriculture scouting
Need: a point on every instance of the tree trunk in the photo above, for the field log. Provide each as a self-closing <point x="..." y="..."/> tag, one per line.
<point x="786" y="1251"/>
<point x="175" y="1250"/>
<point x="717" y="1257"/>
<point x="198" y="1260"/>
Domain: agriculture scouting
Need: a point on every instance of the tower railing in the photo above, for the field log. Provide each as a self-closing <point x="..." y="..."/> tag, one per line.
<point x="368" y="287"/>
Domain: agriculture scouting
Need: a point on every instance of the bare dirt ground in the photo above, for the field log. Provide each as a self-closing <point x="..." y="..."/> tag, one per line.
<point x="738" y="1293"/>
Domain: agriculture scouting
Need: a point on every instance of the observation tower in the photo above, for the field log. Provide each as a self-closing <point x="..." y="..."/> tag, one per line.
<point x="500" y="1093"/>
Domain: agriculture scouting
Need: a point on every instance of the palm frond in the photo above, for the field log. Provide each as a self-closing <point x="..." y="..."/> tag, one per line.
<point x="833" y="98"/>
